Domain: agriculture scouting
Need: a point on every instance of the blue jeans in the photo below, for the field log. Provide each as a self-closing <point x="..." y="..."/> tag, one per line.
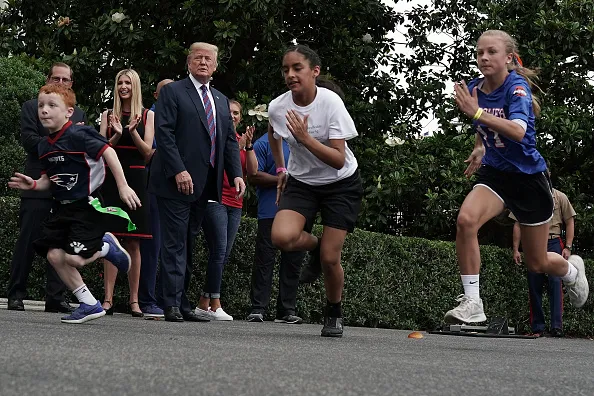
<point x="220" y="227"/>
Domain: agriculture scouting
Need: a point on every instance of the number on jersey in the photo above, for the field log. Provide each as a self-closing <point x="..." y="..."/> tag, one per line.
<point x="496" y="138"/>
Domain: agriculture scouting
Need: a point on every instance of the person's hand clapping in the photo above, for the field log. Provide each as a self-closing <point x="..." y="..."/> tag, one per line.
<point x="115" y="124"/>
<point x="249" y="135"/>
<point x="134" y="121"/>
<point x="297" y="126"/>
<point x="241" y="141"/>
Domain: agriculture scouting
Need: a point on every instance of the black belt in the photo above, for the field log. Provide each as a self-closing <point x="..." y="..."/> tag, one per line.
<point x="554" y="236"/>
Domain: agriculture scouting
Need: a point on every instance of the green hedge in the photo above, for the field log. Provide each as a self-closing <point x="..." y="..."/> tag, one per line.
<point x="394" y="282"/>
<point x="19" y="82"/>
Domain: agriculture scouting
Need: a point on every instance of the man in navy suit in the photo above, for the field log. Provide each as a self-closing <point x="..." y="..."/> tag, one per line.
<point x="195" y="144"/>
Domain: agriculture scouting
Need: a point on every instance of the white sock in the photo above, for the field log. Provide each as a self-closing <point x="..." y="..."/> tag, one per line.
<point x="104" y="249"/>
<point x="83" y="294"/>
<point x="571" y="274"/>
<point x="471" y="285"/>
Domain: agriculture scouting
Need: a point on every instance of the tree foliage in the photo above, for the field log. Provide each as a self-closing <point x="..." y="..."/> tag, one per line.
<point x="99" y="39"/>
<point x="554" y="36"/>
<point x="412" y="189"/>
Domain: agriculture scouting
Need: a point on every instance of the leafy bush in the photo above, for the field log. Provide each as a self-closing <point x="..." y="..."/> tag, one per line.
<point x="20" y="82"/>
<point x="390" y="281"/>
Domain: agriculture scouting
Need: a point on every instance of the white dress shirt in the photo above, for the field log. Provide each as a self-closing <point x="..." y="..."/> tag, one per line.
<point x="198" y="86"/>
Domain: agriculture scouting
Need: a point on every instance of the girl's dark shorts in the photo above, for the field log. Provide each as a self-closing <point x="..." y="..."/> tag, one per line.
<point x="528" y="196"/>
<point x="338" y="202"/>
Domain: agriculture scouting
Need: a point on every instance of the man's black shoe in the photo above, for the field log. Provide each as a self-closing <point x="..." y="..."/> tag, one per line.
<point x="289" y="319"/>
<point x="191" y="316"/>
<point x="313" y="269"/>
<point x="558" y="333"/>
<point x="15" y="304"/>
<point x="172" y="314"/>
<point x="332" y="327"/>
<point x="58" y="306"/>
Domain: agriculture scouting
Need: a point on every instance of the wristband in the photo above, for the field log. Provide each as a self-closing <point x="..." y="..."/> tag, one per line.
<point x="34" y="184"/>
<point x="250" y="148"/>
<point x="279" y="170"/>
<point x="478" y="114"/>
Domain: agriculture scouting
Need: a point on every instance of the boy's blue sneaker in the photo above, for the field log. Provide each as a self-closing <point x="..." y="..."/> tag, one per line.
<point x="152" y="311"/>
<point x="84" y="313"/>
<point x="117" y="255"/>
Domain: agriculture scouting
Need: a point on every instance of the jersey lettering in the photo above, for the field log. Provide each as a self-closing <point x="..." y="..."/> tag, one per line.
<point x="59" y="158"/>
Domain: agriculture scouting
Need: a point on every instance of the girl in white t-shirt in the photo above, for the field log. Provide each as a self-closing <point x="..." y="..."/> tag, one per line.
<point x="322" y="174"/>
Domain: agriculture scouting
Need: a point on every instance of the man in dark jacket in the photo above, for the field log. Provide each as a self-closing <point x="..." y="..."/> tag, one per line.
<point x="36" y="205"/>
<point x="195" y="143"/>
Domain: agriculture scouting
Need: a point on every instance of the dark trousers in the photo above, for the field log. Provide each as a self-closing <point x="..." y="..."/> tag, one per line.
<point x="536" y="284"/>
<point x="180" y="221"/>
<point x="264" y="259"/>
<point x="220" y="227"/>
<point x="31" y="216"/>
<point x="149" y="253"/>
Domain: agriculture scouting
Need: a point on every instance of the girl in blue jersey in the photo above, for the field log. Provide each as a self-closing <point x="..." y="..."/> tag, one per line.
<point x="511" y="173"/>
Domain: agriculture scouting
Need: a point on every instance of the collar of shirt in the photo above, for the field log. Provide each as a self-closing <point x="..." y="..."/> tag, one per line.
<point x="198" y="86"/>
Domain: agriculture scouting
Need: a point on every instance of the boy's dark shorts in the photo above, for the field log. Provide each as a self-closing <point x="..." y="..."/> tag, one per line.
<point x="338" y="202"/>
<point x="528" y="196"/>
<point x="75" y="227"/>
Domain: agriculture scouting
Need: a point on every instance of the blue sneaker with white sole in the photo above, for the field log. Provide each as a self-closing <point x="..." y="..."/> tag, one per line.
<point x="152" y="311"/>
<point x="84" y="313"/>
<point x="117" y="255"/>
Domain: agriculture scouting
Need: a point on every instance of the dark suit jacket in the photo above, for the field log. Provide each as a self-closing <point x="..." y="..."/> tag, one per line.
<point x="183" y="141"/>
<point x="32" y="131"/>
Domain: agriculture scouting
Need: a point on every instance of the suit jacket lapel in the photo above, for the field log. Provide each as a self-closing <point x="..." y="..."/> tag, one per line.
<point x="195" y="96"/>
<point x="219" y="103"/>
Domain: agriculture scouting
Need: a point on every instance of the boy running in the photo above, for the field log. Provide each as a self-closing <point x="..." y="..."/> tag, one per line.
<point x="73" y="235"/>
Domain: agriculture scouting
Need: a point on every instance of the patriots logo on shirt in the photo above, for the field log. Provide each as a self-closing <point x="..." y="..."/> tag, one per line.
<point x="67" y="180"/>
<point x="520" y="91"/>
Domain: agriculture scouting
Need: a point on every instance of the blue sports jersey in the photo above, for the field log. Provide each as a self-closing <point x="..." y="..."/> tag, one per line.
<point x="267" y="196"/>
<point x="512" y="101"/>
<point x="72" y="160"/>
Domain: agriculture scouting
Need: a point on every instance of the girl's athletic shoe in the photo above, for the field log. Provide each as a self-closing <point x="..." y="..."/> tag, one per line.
<point x="470" y="310"/>
<point x="332" y="327"/>
<point x="579" y="289"/>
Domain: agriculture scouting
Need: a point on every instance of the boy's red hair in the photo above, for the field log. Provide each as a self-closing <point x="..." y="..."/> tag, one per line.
<point x="65" y="93"/>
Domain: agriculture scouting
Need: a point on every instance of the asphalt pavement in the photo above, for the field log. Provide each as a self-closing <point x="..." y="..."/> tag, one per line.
<point x="121" y="355"/>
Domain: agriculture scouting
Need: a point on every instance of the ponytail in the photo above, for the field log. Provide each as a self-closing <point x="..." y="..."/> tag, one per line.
<point x="530" y="75"/>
